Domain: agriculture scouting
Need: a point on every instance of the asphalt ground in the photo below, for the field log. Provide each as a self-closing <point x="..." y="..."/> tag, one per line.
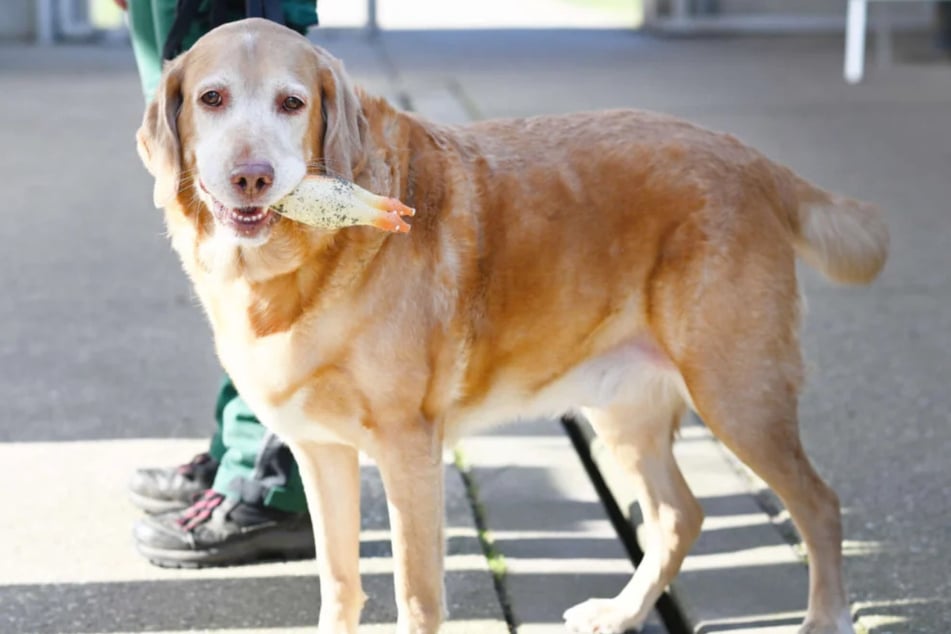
<point x="101" y="339"/>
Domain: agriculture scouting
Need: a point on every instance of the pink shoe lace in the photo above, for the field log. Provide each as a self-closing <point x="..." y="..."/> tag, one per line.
<point x="199" y="512"/>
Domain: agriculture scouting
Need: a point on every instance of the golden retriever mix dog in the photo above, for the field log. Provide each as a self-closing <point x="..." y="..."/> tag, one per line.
<point x="624" y="264"/>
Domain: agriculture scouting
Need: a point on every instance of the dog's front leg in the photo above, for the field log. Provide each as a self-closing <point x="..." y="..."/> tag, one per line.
<point x="331" y="477"/>
<point x="410" y="462"/>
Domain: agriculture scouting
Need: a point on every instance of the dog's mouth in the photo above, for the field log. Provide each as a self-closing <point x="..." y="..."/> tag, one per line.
<point x="248" y="222"/>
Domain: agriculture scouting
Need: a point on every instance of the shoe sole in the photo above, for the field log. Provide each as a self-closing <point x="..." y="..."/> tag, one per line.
<point x="279" y="547"/>
<point x="154" y="506"/>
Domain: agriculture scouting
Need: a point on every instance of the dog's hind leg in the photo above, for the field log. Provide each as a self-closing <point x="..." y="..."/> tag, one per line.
<point x="640" y="436"/>
<point x="410" y="462"/>
<point x="331" y="477"/>
<point x="735" y="341"/>
<point x="754" y="413"/>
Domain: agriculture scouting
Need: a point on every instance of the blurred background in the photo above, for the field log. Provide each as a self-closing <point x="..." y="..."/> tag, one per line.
<point x="393" y="14"/>
<point x="64" y="19"/>
<point x="106" y="362"/>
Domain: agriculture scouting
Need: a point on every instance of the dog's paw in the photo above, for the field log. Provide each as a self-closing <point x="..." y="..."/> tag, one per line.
<point x="600" y="616"/>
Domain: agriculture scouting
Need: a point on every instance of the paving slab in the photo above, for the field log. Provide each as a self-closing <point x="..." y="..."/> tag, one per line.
<point x="69" y="564"/>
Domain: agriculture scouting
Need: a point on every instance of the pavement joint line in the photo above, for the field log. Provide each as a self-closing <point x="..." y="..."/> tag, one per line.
<point x="496" y="562"/>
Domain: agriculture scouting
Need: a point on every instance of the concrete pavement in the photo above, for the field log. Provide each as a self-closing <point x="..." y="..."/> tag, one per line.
<point x="98" y="302"/>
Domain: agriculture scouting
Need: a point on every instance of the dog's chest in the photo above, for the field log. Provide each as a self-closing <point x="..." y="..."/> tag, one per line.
<point x="263" y="367"/>
<point x="292" y="380"/>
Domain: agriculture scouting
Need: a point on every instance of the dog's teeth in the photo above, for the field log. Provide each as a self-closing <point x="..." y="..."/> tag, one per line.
<point x="245" y="218"/>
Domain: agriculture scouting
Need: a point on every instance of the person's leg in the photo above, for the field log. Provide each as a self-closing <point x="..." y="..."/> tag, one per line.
<point x="149" y="24"/>
<point x="254" y="510"/>
<point x="145" y="45"/>
<point x="256" y="483"/>
<point x="256" y="467"/>
<point x="226" y="393"/>
<point x="166" y="489"/>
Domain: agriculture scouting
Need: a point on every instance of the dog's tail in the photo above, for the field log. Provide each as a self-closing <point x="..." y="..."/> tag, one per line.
<point x="845" y="239"/>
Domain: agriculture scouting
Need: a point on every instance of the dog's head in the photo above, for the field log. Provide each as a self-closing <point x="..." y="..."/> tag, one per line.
<point x="241" y="118"/>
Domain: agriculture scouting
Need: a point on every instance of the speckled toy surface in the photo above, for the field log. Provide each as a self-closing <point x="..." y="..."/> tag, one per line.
<point x="330" y="203"/>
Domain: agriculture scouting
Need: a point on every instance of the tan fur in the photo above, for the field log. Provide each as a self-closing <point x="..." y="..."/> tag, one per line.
<point x="625" y="262"/>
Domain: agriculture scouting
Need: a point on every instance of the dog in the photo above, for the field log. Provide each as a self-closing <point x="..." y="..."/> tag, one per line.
<point x="623" y="264"/>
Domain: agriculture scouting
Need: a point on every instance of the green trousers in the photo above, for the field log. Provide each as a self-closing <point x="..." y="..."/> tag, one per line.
<point x="151" y="20"/>
<point x="254" y="464"/>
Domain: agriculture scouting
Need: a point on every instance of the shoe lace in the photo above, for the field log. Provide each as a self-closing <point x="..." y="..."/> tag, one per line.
<point x="199" y="512"/>
<point x="188" y="469"/>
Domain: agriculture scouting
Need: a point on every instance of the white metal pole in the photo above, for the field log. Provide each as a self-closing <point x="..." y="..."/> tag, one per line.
<point x="855" y="25"/>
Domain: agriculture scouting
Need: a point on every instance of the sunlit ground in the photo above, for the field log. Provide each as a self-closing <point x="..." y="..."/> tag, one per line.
<point x="426" y="14"/>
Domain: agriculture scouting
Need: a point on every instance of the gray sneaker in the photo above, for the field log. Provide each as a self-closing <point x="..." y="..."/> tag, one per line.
<point x="156" y="490"/>
<point x="218" y="531"/>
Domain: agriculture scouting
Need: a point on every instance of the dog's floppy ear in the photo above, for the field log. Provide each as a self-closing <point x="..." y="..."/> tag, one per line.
<point x="345" y="124"/>
<point x="157" y="139"/>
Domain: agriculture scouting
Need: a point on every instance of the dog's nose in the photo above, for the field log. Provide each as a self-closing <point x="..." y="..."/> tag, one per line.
<point x="252" y="178"/>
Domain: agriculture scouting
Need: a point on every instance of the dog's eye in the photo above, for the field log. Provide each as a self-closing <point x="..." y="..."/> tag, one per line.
<point x="211" y="98"/>
<point x="292" y="103"/>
